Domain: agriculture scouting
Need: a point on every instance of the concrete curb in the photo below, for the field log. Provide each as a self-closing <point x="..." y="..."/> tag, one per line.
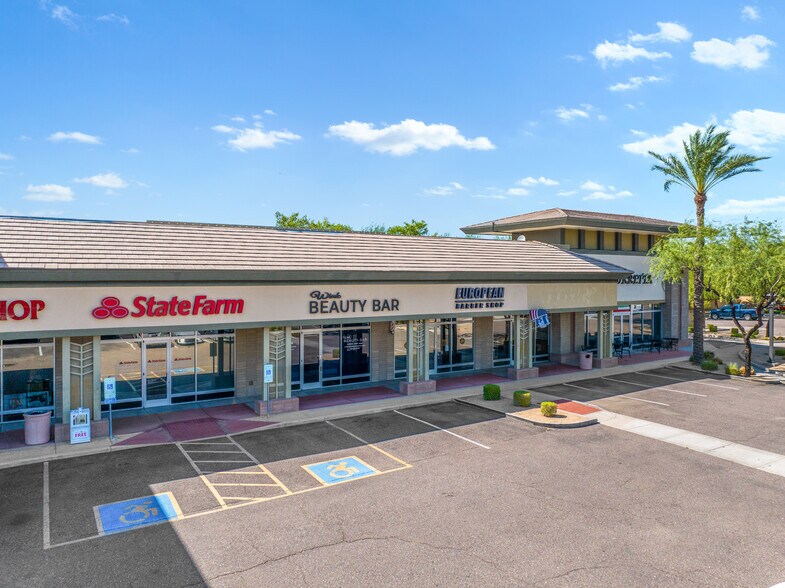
<point x="555" y="425"/>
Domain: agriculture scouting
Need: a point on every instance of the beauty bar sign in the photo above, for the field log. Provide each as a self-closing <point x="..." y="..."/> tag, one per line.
<point x="333" y="303"/>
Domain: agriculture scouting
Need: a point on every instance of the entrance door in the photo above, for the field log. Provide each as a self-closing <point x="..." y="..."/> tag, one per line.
<point x="155" y="378"/>
<point x="311" y="360"/>
<point x="542" y="344"/>
<point x="621" y="327"/>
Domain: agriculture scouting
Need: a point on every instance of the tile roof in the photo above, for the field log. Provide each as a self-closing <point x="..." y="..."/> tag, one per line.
<point x="76" y="245"/>
<point x="561" y="216"/>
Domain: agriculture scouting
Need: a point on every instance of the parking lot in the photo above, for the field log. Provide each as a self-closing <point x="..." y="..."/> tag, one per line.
<point x="434" y="495"/>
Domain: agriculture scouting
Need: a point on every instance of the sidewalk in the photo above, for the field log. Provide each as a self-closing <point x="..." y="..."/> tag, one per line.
<point x="52" y="451"/>
<point x="730" y="351"/>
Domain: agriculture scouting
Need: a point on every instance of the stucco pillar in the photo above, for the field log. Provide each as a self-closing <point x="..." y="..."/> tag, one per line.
<point x="605" y="356"/>
<point x="417" y="368"/>
<point x="523" y="360"/>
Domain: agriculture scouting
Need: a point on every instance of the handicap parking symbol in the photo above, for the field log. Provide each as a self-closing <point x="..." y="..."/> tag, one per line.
<point x="340" y="470"/>
<point x="137" y="512"/>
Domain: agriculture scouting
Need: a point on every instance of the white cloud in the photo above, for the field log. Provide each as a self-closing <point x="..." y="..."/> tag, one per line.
<point x="269" y="112"/>
<point x="75" y="137"/>
<point x="239" y="119"/>
<point x="247" y="139"/>
<point x="757" y="128"/>
<point x="750" y="13"/>
<point x="47" y="212"/>
<point x="567" y="193"/>
<point x="741" y="208"/>
<point x="670" y="32"/>
<point x="577" y="58"/>
<point x="616" y="53"/>
<point x="517" y="192"/>
<point x="224" y="129"/>
<point x="49" y="193"/>
<point x="602" y="195"/>
<point x="107" y="180"/>
<point x="634" y="83"/>
<point x="750" y="52"/>
<point x="450" y="188"/>
<point x="569" y="114"/>
<point x="490" y="196"/>
<point x="61" y="13"/>
<point x="602" y="117"/>
<point x="131" y="150"/>
<point x="590" y="185"/>
<point x="6" y="157"/>
<point x="407" y="137"/>
<point x="670" y="142"/>
<point x="530" y="181"/>
<point x="639" y="133"/>
<point x="112" y="17"/>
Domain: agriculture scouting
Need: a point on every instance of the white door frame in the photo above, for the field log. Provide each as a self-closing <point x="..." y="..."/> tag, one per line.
<point x="157" y="401"/>
<point x="318" y="383"/>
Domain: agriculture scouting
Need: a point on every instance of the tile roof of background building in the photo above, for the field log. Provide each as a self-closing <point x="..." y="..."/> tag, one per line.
<point x="556" y="217"/>
<point x="118" y="250"/>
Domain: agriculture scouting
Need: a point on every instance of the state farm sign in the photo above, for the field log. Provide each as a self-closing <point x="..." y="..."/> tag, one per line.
<point x="17" y="310"/>
<point x="155" y="307"/>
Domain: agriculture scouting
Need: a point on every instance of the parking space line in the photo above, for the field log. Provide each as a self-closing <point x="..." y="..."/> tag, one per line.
<point x="223" y="461"/>
<point x="701" y="382"/>
<point x="242" y="484"/>
<point x="440" y="429"/>
<point x="202" y="477"/>
<point x="657" y="388"/>
<point x="372" y="446"/>
<point x="211" y="450"/>
<point x="46" y="527"/>
<point x="615" y="395"/>
<point x="262" y="467"/>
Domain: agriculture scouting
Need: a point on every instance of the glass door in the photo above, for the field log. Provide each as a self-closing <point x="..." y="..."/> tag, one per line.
<point x="621" y="327"/>
<point x="155" y="378"/>
<point x="311" y="360"/>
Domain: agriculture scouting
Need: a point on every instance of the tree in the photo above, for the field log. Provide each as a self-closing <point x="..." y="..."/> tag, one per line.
<point x="747" y="260"/>
<point x="708" y="160"/>
<point x="297" y="221"/>
<point x="412" y="227"/>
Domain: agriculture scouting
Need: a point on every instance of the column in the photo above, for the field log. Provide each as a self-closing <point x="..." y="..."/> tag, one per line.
<point x="605" y="356"/>
<point x="523" y="362"/>
<point x="417" y="368"/>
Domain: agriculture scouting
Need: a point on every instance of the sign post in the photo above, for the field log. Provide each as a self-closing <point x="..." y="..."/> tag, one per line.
<point x="268" y="378"/>
<point x="110" y="397"/>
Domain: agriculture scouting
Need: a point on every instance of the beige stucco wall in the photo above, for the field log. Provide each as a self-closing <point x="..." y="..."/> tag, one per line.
<point x="248" y="378"/>
<point x="382" y="349"/>
<point x="483" y="342"/>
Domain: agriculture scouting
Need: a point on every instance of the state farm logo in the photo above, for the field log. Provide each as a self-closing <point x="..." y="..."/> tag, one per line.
<point x="174" y="306"/>
<point x="110" y="306"/>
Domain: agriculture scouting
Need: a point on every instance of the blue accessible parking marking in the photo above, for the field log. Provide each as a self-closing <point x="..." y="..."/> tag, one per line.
<point x="137" y="512"/>
<point x="340" y="470"/>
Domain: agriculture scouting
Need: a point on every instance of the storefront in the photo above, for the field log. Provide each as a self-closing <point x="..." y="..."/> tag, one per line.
<point x="195" y="313"/>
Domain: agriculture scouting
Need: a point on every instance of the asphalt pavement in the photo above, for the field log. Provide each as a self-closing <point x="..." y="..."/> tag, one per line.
<point x="442" y="495"/>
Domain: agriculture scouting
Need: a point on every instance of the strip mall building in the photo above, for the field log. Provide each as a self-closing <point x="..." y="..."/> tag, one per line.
<point x="185" y="313"/>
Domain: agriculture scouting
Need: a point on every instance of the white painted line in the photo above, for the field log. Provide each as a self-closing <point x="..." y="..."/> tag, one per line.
<point x="47" y="537"/>
<point x="210" y="451"/>
<point x="203" y="477"/>
<point x="701" y="382"/>
<point x="440" y="429"/>
<point x="611" y="396"/>
<point x="265" y="469"/>
<point x="657" y="388"/>
<point x="224" y="461"/>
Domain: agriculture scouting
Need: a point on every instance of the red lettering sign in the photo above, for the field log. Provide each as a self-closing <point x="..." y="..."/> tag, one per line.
<point x="17" y="310"/>
<point x="151" y="306"/>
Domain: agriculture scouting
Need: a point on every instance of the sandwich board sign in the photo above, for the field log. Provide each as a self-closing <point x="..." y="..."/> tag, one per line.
<point x="80" y="425"/>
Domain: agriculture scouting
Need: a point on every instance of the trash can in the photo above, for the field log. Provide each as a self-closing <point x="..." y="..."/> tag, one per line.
<point x="586" y="360"/>
<point x="37" y="427"/>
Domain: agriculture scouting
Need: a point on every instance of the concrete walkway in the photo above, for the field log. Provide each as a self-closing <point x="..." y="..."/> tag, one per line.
<point x="52" y="451"/>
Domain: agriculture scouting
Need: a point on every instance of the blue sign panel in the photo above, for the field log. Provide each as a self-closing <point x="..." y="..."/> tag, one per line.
<point x="340" y="470"/>
<point x="138" y="512"/>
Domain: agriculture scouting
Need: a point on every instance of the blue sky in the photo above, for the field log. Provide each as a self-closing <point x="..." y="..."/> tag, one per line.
<point x="377" y="112"/>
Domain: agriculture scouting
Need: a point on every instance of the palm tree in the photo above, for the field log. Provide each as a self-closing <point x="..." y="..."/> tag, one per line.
<point x="708" y="160"/>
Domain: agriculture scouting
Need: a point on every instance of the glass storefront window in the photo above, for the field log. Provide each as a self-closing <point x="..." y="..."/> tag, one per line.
<point x="27" y="375"/>
<point x="184" y="368"/>
<point x="451" y="344"/>
<point x="590" y="331"/>
<point x="542" y="344"/>
<point x="502" y="341"/>
<point x="356" y="352"/>
<point x="401" y="330"/>
<point x="215" y="364"/>
<point x="330" y="355"/>
<point x="122" y="359"/>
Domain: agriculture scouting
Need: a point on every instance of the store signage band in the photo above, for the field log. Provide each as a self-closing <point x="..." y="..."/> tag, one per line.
<point x="17" y="310"/>
<point x="479" y="297"/>
<point x="152" y="307"/>
<point x="643" y="278"/>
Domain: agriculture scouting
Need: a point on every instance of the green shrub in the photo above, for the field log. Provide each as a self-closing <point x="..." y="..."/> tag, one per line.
<point x="732" y="369"/>
<point x="549" y="409"/>
<point x="712" y="328"/>
<point x="709" y="364"/>
<point x="708" y="355"/>
<point x="734" y="332"/>
<point x="780" y="352"/>
<point x="491" y="392"/>
<point x="743" y="371"/>
<point x="522" y="398"/>
<point x="690" y="329"/>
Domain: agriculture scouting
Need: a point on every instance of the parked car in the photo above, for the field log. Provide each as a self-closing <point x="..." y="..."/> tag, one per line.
<point x="748" y="314"/>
